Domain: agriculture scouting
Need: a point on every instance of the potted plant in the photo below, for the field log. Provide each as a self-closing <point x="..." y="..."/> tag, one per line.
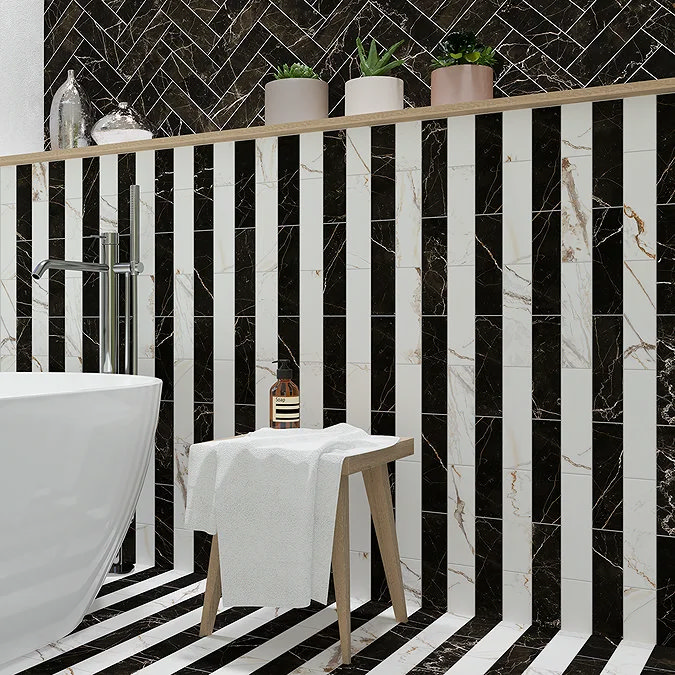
<point x="462" y="70"/>
<point x="374" y="91"/>
<point x="296" y="94"/>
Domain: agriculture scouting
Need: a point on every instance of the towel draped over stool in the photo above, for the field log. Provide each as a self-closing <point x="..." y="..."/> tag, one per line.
<point x="271" y="498"/>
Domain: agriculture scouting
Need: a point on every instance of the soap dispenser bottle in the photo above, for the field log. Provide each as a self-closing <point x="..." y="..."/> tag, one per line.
<point x="284" y="399"/>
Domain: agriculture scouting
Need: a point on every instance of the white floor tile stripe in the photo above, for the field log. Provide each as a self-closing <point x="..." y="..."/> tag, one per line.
<point x="198" y="650"/>
<point x="275" y="647"/>
<point x="91" y="633"/>
<point x="483" y="655"/>
<point x="111" y="578"/>
<point x="629" y="658"/>
<point x="134" y="589"/>
<point x="416" y="650"/>
<point x="557" y="655"/>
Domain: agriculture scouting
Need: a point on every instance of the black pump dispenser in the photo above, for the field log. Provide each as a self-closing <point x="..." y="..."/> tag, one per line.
<point x="284" y="371"/>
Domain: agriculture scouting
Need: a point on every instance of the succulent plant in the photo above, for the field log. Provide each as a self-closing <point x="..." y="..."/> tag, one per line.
<point x="463" y="48"/>
<point x="297" y="70"/>
<point x="374" y="64"/>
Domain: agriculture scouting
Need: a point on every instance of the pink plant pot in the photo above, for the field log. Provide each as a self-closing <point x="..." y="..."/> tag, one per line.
<point x="460" y="84"/>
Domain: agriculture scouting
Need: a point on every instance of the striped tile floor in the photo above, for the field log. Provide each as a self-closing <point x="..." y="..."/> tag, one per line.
<point x="149" y="621"/>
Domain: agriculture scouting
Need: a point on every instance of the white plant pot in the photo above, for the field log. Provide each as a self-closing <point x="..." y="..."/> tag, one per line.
<point x="295" y="100"/>
<point x="378" y="93"/>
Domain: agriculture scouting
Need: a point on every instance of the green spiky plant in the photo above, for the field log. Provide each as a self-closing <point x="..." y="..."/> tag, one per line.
<point x="373" y="64"/>
<point x="297" y="70"/>
<point x="463" y="48"/>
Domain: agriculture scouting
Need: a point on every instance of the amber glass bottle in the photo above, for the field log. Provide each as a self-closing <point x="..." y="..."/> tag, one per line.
<point x="284" y="399"/>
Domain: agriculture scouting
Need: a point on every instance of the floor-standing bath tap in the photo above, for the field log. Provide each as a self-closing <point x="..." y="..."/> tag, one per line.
<point x="110" y="268"/>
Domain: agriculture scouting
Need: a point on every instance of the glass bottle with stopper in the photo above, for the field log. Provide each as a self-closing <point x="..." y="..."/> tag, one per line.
<point x="284" y="399"/>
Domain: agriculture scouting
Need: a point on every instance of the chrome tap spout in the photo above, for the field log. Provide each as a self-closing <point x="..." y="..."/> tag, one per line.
<point x="75" y="266"/>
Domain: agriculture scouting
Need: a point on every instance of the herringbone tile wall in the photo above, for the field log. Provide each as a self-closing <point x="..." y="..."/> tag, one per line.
<point x="201" y="65"/>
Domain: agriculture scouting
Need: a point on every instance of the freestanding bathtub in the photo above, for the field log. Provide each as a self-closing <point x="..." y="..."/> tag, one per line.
<point x="74" y="450"/>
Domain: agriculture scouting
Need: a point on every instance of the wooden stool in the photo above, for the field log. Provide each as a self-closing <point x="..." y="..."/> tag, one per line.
<point x="373" y="465"/>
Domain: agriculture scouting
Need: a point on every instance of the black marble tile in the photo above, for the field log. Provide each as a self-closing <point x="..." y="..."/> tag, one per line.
<point x="661" y="660"/>
<point x="289" y="270"/>
<point x="164" y="524"/>
<point x="607" y="368"/>
<point x="608" y="583"/>
<point x="434" y="364"/>
<point x="489" y="467"/>
<point x="489" y="264"/>
<point x="665" y="367"/>
<point x="203" y="359"/>
<point x="289" y="180"/>
<point x="203" y="271"/>
<point x="607" y="476"/>
<point x="90" y="344"/>
<point x="546" y="595"/>
<point x="383" y="266"/>
<point x="244" y="278"/>
<point x="334" y="363"/>
<point x="665" y="259"/>
<point x="434" y="266"/>
<point x="57" y="199"/>
<point x="434" y="168"/>
<point x="164" y="274"/>
<point x="488" y="365"/>
<point x="665" y="591"/>
<point x="546" y="383"/>
<point x="434" y="463"/>
<point x="334" y="269"/>
<point x="608" y="153"/>
<point x="244" y="418"/>
<point x="335" y="177"/>
<point x="546" y="159"/>
<point x="383" y="169"/>
<point x="57" y="344"/>
<point x="665" y="481"/>
<point x="164" y="355"/>
<point x="488" y="164"/>
<point x="383" y="359"/>
<point x="332" y="416"/>
<point x="489" y="541"/>
<point x="244" y="360"/>
<point x="434" y="561"/>
<point x="244" y="186"/>
<point x="546" y="471"/>
<point x="608" y="260"/>
<point x="665" y="149"/>
<point x="164" y="444"/>
<point x="289" y="344"/>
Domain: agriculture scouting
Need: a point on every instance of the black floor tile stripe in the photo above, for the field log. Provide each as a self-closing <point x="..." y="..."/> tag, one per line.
<point x="117" y="584"/>
<point x="661" y="660"/>
<point x="114" y="638"/>
<point x="593" y="656"/>
<point x="524" y="650"/>
<point x="456" y="646"/>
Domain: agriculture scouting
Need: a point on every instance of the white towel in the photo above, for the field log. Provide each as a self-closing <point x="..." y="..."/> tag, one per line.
<point x="271" y="496"/>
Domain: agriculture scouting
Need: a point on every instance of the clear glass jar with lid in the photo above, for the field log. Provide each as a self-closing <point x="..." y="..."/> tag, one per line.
<point x="122" y="125"/>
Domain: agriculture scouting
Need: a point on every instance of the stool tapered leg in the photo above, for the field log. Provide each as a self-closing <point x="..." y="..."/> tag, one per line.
<point x="341" y="570"/>
<point x="213" y="591"/>
<point x="379" y="498"/>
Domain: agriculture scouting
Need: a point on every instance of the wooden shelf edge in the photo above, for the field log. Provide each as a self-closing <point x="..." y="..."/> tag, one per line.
<point x="545" y="100"/>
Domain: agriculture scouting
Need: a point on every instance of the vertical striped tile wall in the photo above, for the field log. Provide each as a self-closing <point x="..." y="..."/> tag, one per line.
<point x="498" y="287"/>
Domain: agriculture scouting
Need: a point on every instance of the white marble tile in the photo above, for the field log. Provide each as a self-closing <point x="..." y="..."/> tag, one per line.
<point x="266" y="235"/>
<point x="266" y="159"/>
<point x="576" y="518"/>
<point x="311" y="316"/>
<point x="358" y="316"/>
<point x="311" y="224"/>
<point x="461" y="418"/>
<point x="517" y="416"/>
<point x="408" y="495"/>
<point x="311" y="401"/>
<point x="409" y="218"/>
<point x="557" y="655"/>
<point x="266" y="342"/>
<point x="408" y="146"/>
<point x="408" y="316"/>
<point x="183" y="549"/>
<point x="147" y="232"/>
<point x="517" y="517"/>
<point x="461" y="140"/>
<point x="108" y="170"/>
<point x="639" y="211"/>
<point x="40" y="299"/>
<point x="576" y="420"/>
<point x="577" y="315"/>
<point x="462" y="309"/>
<point x="639" y="123"/>
<point x="145" y="543"/>
<point x="461" y="516"/>
<point x="639" y="615"/>
<point x="73" y="280"/>
<point x="73" y="176"/>
<point x="411" y="571"/>
<point x="183" y="162"/>
<point x="7" y="185"/>
<point x="358" y="151"/>
<point x="517" y="597"/>
<point x="223" y="229"/>
<point x="223" y="163"/>
<point x="639" y="323"/>
<point x="145" y="171"/>
<point x="517" y="312"/>
<point x="223" y="398"/>
<point x="358" y="247"/>
<point x="462" y="590"/>
<point x="311" y="155"/>
<point x="639" y="433"/>
<point x="577" y="606"/>
<point x="40" y="182"/>
<point x="146" y="316"/>
<point x="577" y="233"/>
<point x="628" y="659"/>
<point x="461" y="215"/>
<point x="517" y="212"/>
<point x="409" y="405"/>
<point x="8" y="241"/>
<point x="223" y="320"/>
<point x="108" y="213"/>
<point x="358" y="395"/>
<point x="183" y="303"/>
<point x="359" y="574"/>
<point x="517" y="135"/>
<point x="577" y="129"/>
<point x="639" y="533"/>
<point x="183" y="431"/>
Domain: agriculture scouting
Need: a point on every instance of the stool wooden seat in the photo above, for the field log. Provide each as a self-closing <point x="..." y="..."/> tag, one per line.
<point x="373" y="465"/>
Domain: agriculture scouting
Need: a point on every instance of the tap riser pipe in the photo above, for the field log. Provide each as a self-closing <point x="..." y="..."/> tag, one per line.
<point x="108" y="330"/>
